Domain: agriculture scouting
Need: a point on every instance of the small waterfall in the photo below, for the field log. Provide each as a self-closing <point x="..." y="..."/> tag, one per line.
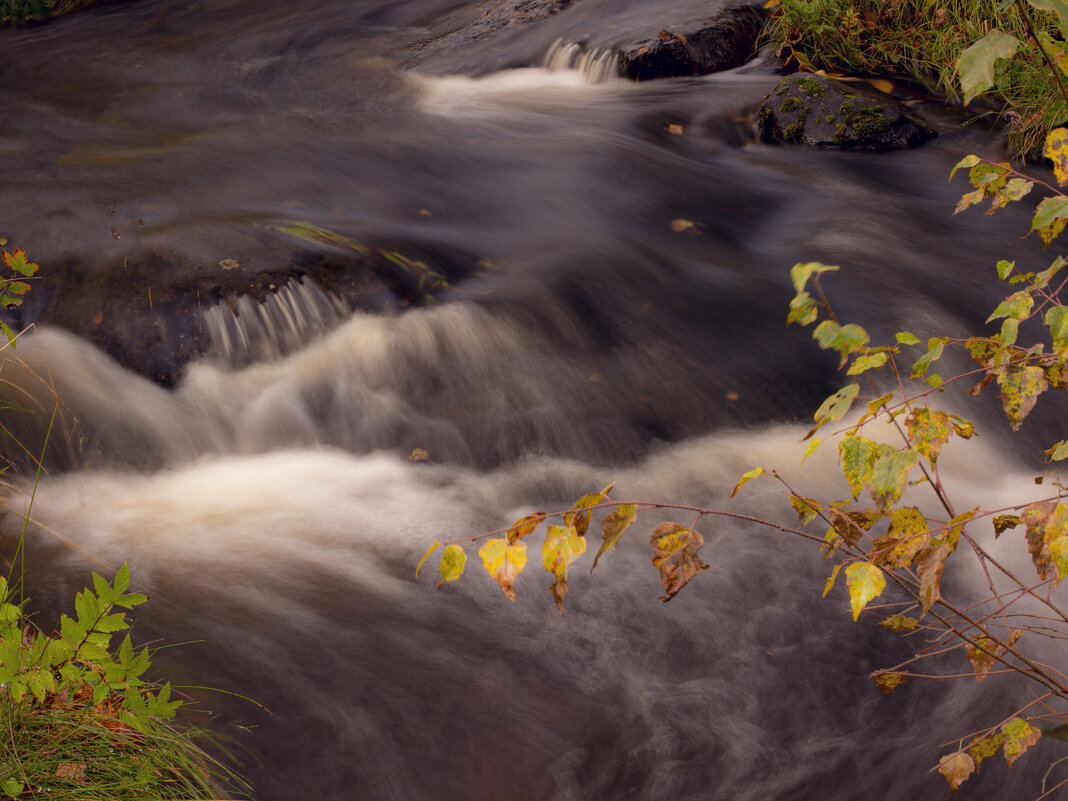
<point x="598" y="65"/>
<point x="247" y="330"/>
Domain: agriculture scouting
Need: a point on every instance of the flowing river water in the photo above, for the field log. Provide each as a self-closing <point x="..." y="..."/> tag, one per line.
<point x="265" y="502"/>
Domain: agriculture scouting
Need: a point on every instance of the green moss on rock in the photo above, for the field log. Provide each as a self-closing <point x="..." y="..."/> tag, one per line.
<point x="791" y="104"/>
<point x="811" y="87"/>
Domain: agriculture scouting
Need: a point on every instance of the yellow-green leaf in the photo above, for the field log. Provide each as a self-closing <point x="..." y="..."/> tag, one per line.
<point x="579" y="515"/>
<point x="1003" y="523"/>
<point x="801" y="272"/>
<point x="956" y="768"/>
<point x="1019" y="736"/>
<point x="866" y="583"/>
<point x="453" y="560"/>
<point x="862" y="364"/>
<point x="675" y="556"/>
<point x="504" y="562"/>
<point x="929" y="567"/>
<point x="935" y="346"/>
<point x="928" y="431"/>
<point x="976" y="64"/>
<point x="614" y="525"/>
<point x="858" y="457"/>
<point x="1017" y="306"/>
<point x="909" y="533"/>
<point x="963" y="428"/>
<point x="986" y="747"/>
<point x="811" y="448"/>
<point x="899" y="623"/>
<point x="890" y="474"/>
<point x="745" y="479"/>
<point x="562" y="546"/>
<point x="1056" y="150"/>
<point x="1057" y="322"/>
<point x="1058" y="552"/>
<point x="524" y="526"/>
<point x="426" y="556"/>
<point x="846" y="339"/>
<point x="1050" y="217"/>
<point x="836" y="406"/>
<point x="1004" y="269"/>
<point x="1059" y="7"/>
<point x="965" y="163"/>
<point x="982" y="657"/>
<point x="1020" y="388"/>
<point x="889" y="682"/>
<point x="829" y="583"/>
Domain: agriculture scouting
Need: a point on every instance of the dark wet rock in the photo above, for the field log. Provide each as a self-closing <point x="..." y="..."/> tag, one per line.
<point x="815" y="110"/>
<point x="722" y="42"/>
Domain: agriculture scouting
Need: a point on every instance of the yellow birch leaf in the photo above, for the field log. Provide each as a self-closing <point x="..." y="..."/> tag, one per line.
<point x="504" y="562"/>
<point x="453" y="560"/>
<point x="675" y="556"/>
<point x="985" y="748"/>
<point x="426" y="556"/>
<point x="909" y="533"/>
<point x="614" y="525"/>
<point x="749" y="476"/>
<point x="562" y="546"/>
<point x="982" y="658"/>
<point x="1056" y="150"/>
<point x="524" y="526"/>
<point x="1019" y="736"/>
<point x="929" y="567"/>
<point x="1058" y="551"/>
<point x="829" y="583"/>
<point x="866" y="582"/>
<point x="579" y="514"/>
<point x="956" y="768"/>
<point x="888" y="682"/>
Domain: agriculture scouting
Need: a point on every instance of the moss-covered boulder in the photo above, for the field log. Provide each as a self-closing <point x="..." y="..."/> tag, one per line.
<point x="815" y="110"/>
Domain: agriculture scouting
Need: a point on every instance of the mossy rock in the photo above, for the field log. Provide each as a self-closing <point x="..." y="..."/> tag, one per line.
<point x="818" y="111"/>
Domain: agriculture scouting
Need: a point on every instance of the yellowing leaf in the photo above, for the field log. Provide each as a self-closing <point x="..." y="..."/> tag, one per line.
<point x="866" y="582"/>
<point x="1004" y="522"/>
<point x="1058" y="552"/>
<point x="579" y="514"/>
<point x="614" y="525"/>
<point x="1057" y="322"/>
<point x="889" y="682"/>
<point x="453" y="560"/>
<point x="976" y="64"/>
<point x="864" y="363"/>
<point x="1059" y="7"/>
<point x="982" y="658"/>
<point x="965" y="163"/>
<point x="1017" y="306"/>
<point x="933" y="354"/>
<point x="928" y="431"/>
<point x="562" y="546"/>
<point x="675" y="556"/>
<point x="929" y="567"/>
<point x="858" y="457"/>
<point x="1050" y="217"/>
<point x="956" y="768"/>
<point x="801" y="272"/>
<point x="524" y="526"/>
<point x="985" y="747"/>
<point x="504" y="562"/>
<point x="426" y="556"/>
<point x="836" y="406"/>
<point x="1056" y="150"/>
<point x="1020" y="388"/>
<point x="908" y="532"/>
<point x="890" y="474"/>
<point x="846" y="339"/>
<point x="899" y="623"/>
<point x="1014" y="189"/>
<point x="749" y="476"/>
<point x="829" y="583"/>
<point x="811" y="448"/>
<point x="883" y="85"/>
<point x="680" y="225"/>
<point x="1019" y="736"/>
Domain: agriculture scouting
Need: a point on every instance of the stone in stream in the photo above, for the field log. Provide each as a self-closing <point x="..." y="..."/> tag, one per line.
<point x="717" y="43"/>
<point x="816" y="110"/>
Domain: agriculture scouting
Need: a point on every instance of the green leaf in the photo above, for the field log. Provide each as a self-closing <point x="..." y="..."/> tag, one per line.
<point x="453" y="561"/>
<point x="579" y="515"/>
<point x="1058" y="451"/>
<point x="965" y="163"/>
<point x="976" y="64"/>
<point x="890" y="474"/>
<point x="838" y="404"/>
<point x="1050" y="217"/>
<point x="614" y="525"/>
<point x="956" y="768"/>
<point x="18" y="262"/>
<point x="908" y="531"/>
<point x="803" y="310"/>
<point x="426" y="556"/>
<point x="562" y="546"/>
<point x="675" y="556"/>
<point x="846" y="339"/>
<point x="1020" y="388"/>
<point x="504" y="562"/>
<point x="934" y="353"/>
<point x="866" y="583"/>
<point x="12" y="788"/>
<point x="864" y="363"/>
<point x="1058" y="552"/>
<point x="1019" y="736"/>
<point x="1057" y="322"/>
<point x="749" y="476"/>
<point x="801" y="272"/>
<point x="986" y="747"/>
<point x="929" y="430"/>
<point x="1017" y="306"/>
<point x="1004" y="269"/>
<point x="1056" y="150"/>
<point x="811" y="448"/>
<point x="905" y="338"/>
<point x="1059" y="7"/>
<point x="1015" y="189"/>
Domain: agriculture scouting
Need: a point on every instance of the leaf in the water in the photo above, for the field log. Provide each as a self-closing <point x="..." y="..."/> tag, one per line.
<point x="956" y="768"/>
<point x="866" y="582"/>
<point x="976" y="64"/>
<point x="453" y="560"/>
<point x="614" y="525"/>
<point x="504" y="562"/>
<point x="1020" y="388"/>
<point x="675" y="556"/>
<point x="562" y="546"/>
<point x="1019" y="736"/>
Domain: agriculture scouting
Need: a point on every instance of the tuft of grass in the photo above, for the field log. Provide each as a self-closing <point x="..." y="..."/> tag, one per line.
<point x="920" y="41"/>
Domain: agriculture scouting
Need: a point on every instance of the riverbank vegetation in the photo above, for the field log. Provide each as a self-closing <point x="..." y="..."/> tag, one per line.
<point x="20" y="12"/>
<point x="921" y="41"/>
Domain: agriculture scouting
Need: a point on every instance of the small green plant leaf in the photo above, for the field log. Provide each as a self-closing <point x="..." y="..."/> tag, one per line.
<point x="956" y="768"/>
<point x="866" y="582"/>
<point x="1004" y="269"/>
<point x="964" y="164"/>
<point x="747" y="477"/>
<point x="929" y="430"/>
<point x="1019" y="736"/>
<point x="675" y="556"/>
<point x="1056" y="150"/>
<point x="905" y="338"/>
<point x="846" y="339"/>
<point x="864" y="363"/>
<point x="562" y="546"/>
<point x="801" y="272"/>
<point x="1017" y="306"/>
<point x="504" y="562"/>
<point x="18" y="262"/>
<point x="803" y="310"/>
<point x="12" y="788"/>
<point x="1020" y="388"/>
<point x="838" y="404"/>
<point x="451" y="567"/>
<point x="1057" y="322"/>
<point x="1050" y="217"/>
<point x="935" y="346"/>
<point x="976" y="64"/>
<point x="890" y="474"/>
<point x="858" y="457"/>
<point x="614" y="525"/>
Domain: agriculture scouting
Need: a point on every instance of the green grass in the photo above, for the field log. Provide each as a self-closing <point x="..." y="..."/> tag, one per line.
<point x="19" y="12"/>
<point x="920" y="41"/>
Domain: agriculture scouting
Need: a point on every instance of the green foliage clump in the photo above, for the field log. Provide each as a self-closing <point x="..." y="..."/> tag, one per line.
<point x="80" y="720"/>
<point x="19" y="12"/>
<point x="922" y="41"/>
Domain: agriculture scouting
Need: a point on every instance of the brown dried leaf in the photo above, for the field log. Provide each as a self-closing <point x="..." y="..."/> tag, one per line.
<point x="675" y="555"/>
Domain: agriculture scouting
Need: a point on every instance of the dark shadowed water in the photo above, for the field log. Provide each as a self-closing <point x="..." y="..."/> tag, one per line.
<point x="266" y="504"/>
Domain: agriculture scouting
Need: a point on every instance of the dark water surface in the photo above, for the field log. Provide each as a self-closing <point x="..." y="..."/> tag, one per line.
<point x="266" y="505"/>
